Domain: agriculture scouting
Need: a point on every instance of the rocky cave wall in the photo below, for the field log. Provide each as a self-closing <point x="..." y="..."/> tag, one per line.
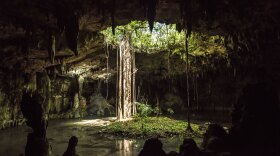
<point x="61" y="96"/>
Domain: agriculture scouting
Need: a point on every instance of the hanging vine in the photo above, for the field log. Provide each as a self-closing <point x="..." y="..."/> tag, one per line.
<point x="107" y="70"/>
<point x="189" y="128"/>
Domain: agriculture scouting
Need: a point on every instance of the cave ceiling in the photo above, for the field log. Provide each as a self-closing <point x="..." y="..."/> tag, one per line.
<point x="27" y="27"/>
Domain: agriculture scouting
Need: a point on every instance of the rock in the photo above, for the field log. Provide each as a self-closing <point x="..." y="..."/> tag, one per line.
<point x="172" y="101"/>
<point x="83" y="103"/>
<point x="98" y="105"/>
<point x="76" y="101"/>
<point x="57" y="102"/>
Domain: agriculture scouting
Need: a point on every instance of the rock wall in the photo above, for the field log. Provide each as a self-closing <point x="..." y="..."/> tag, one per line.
<point x="12" y="84"/>
<point x="212" y="92"/>
<point x="60" y="95"/>
<point x="66" y="101"/>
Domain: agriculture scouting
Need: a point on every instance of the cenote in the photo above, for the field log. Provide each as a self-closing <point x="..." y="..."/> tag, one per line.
<point x="139" y="77"/>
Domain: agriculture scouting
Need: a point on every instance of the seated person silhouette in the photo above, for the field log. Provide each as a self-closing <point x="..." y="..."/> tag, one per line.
<point x="152" y="147"/>
<point x="71" y="149"/>
<point x="189" y="148"/>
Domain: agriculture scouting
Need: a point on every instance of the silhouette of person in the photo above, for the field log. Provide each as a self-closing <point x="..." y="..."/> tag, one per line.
<point x="152" y="147"/>
<point x="189" y="148"/>
<point x="173" y="153"/>
<point x="255" y="129"/>
<point x="217" y="136"/>
<point x="71" y="149"/>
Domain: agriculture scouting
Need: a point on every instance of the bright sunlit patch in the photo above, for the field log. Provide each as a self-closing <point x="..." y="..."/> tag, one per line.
<point x="81" y="70"/>
<point x="96" y="122"/>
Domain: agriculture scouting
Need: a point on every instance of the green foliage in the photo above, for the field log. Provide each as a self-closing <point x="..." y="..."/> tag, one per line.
<point x="164" y="38"/>
<point x="206" y="52"/>
<point x="157" y="111"/>
<point x="170" y="111"/>
<point x="154" y="126"/>
<point x="143" y="110"/>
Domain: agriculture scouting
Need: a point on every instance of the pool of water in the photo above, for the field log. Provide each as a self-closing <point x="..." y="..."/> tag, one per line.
<point x="13" y="140"/>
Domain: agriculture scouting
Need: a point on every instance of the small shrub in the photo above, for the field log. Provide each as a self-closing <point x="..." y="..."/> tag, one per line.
<point x="157" y="111"/>
<point x="143" y="110"/>
<point x="170" y="111"/>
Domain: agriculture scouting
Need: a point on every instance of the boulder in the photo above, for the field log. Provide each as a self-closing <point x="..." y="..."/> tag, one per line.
<point x="76" y="101"/>
<point x="57" y="103"/>
<point x="98" y="105"/>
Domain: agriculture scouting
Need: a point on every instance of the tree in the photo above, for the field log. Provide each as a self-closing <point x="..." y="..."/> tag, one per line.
<point x="125" y="71"/>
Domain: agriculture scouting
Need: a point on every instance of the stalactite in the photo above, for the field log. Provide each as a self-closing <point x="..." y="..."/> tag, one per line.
<point x="186" y="14"/>
<point x="113" y="9"/>
<point x="179" y="27"/>
<point x="71" y="32"/>
<point x="151" y="13"/>
<point x="68" y="22"/>
<point x="51" y="46"/>
<point x="63" y="67"/>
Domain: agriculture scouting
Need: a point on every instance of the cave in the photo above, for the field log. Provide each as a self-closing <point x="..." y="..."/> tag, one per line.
<point x="108" y="77"/>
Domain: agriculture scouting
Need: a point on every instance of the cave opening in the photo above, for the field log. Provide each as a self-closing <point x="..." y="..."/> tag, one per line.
<point x="169" y="43"/>
<point x="139" y="77"/>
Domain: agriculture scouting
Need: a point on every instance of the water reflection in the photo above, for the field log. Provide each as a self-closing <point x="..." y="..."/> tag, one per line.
<point x="125" y="147"/>
<point x="13" y="141"/>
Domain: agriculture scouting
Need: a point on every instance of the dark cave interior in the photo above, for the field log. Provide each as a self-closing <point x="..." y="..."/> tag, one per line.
<point x="205" y="62"/>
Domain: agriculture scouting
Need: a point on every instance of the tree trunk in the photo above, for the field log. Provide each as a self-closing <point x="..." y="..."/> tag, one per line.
<point x="126" y="81"/>
<point x="120" y="112"/>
